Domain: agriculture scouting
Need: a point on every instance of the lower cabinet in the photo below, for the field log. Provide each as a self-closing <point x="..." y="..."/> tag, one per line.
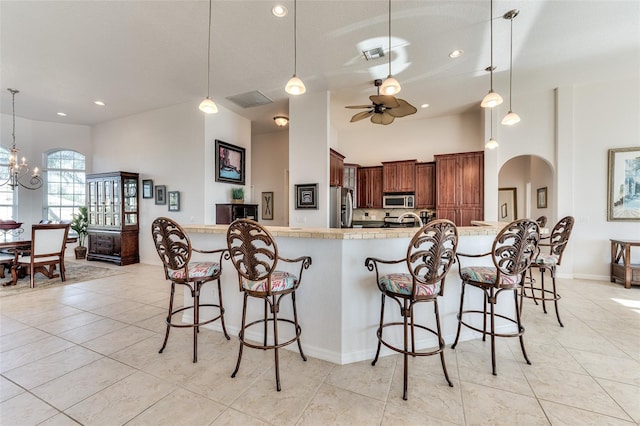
<point x="227" y="213"/>
<point x="120" y="247"/>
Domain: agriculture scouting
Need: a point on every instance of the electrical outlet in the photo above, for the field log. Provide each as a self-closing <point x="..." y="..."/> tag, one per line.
<point x="366" y="214"/>
<point x="386" y="214"/>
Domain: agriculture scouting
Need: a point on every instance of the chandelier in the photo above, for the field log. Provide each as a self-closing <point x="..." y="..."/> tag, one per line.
<point x="18" y="171"/>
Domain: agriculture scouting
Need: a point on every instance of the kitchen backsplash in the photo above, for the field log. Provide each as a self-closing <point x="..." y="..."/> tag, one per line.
<point x="361" y="215"/>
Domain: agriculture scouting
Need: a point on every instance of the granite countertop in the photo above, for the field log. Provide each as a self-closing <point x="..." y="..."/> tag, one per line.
<point x="343" y="233"/>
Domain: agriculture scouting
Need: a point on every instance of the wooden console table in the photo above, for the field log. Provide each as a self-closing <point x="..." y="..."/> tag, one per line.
<point x="621" y="267"/>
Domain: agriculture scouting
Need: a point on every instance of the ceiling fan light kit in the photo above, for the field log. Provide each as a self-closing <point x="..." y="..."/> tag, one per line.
<point x="207" y="105"/>
<point x="384" y="109"/>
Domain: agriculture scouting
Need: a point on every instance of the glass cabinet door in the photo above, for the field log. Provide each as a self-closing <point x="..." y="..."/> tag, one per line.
<point x="130" y="187"/>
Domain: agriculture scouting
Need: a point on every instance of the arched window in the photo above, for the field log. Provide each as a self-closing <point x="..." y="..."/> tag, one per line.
<point x="65" y="183"/>
<point x="7" y="198"/>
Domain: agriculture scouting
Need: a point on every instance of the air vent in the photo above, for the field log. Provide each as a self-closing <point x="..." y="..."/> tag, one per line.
<point x="250" y="99"/>
<point x="373" y="54"/>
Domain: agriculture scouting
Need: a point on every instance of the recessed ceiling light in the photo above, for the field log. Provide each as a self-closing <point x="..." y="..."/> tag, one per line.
<point x="61" y="114"/>
<point x="424" y="106"/>
<point x="99" y="103"/>
<point x="456" y="54"/>
<point x="279" y="10"/>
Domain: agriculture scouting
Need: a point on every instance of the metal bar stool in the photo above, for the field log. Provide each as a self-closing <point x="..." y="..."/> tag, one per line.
<point x="513" y="250"/>
<point x="174" y="248"/>
<point x="254" y="254"/>
<point x="430" y="254"/>
<point x="557" y="243"/>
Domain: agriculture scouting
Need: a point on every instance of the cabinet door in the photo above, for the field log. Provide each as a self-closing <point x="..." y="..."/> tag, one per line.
<point x="446" y="182"/>
<point x="466" y="215"/>
<point x="471" y="183"/>
<point x="376" y="187"/>
<point x="425" y="185"/>
<point x="390" y="177"/>
<point x="449" y="214"/>
<point x="336" y="168"/>
<point x="363" y="192"/>
<point x="406" y="176"/>
<point x="349" y="181"/>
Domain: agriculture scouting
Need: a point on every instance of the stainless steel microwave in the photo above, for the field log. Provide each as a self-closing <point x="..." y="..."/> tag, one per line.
<point x="400" y="201"/>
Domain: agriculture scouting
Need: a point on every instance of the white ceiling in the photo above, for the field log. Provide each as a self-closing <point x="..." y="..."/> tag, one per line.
<point x="140" y="55"/>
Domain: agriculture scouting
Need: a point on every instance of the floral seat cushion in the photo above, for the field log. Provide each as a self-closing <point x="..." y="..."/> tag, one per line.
<point x="403" y="284"/>
<point x="196" y="270"/>
<point x="280" y="281"/>
<point x="547" y="260"/>
<point x="486" y="275"/>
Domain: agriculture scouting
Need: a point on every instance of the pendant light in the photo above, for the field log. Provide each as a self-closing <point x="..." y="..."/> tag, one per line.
<point x="390" y="86"/>
<point x="491" y="143"/>
<point x="492" y="99"/>
<point x="511" y="118"/>
<point x="207" y="105"/>
<point x="295" y="86"/>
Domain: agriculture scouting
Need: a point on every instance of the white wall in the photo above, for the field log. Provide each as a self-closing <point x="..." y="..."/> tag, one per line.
<point x="270" y="159"/>
<point x="34" y="139"/>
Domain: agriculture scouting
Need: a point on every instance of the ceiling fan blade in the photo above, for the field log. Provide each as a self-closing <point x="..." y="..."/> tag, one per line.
<point x="361" y="115"/>
<point x="382" y="118"/>
<point x="404" y="108"/>
<point x="387" y="101"/>
<point x="358" y="106"/>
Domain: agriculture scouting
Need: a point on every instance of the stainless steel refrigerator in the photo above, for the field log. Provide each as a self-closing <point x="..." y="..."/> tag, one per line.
<point x="341" y="207"/>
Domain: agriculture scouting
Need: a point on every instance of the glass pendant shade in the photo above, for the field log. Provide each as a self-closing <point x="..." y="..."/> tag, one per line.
<point x="492" y="99"/>
<point x="390" y="86"/>
<point x="491" y="143"/>
<point x="295" y="86"/>
<point x="510" y="119"/>
<point x="208" y="106"/>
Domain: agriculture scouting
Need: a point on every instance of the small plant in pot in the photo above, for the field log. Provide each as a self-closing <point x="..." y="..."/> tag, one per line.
<point x="79" y="224"/>
<point x="237" y="195"/>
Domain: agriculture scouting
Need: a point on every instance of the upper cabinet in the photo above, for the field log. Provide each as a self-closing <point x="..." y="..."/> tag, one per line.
<point x="460" y="187"/>
<point x="399" y="176"/>
<point x="425" y="185"/>
<point x="336" y="168"/>
<point x="369" y="183"/>
<point x="350" y="180"/>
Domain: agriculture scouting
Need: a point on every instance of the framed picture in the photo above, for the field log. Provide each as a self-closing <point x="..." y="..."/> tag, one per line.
<point x="307" y="196"/>
<point x="623" y="198"/>
<point x="161" y="194"/>
<point x="542" y="198"/>
<point x="174" y="201"/>
<point x="147" y="188"/>
<point x="229" y="163"/>
<point x="267" y="205"/>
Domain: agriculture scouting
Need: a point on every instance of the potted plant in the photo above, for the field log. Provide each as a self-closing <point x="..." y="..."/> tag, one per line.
<point x="79" y="224"/>
<point x="237" y="195"/>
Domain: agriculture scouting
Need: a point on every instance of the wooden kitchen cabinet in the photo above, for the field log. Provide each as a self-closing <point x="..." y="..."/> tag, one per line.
<point x="426" y="185"/>
<point x="460" y="187"/>
<point x="336" y="168"/>
<point x="112" y="204"/>
<point x="350" y="180"/>
<point x="370" y="187"/>
<point x="399" y="176"/>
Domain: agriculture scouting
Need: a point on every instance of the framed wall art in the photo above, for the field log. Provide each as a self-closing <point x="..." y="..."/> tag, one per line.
<point x="267" y="206"/>
<point x="174" y="201"/>
<point x="623" y="198"/>
<point x="542" y="198"/>
<point x="307" y="196"/>
<point x="161" y="194"/>
<point x="230" y="163"/>
<point x="147" y="188"/>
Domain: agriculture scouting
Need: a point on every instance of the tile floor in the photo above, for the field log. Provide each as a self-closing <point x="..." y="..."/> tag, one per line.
<point x="87" y="354"/>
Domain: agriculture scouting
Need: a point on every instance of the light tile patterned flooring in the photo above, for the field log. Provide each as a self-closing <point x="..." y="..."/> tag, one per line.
<point x="88" y="354"/>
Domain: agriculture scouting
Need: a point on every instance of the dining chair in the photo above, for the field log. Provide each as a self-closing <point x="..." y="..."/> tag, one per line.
<point x="48" y="244"/>
<point x="557" y="242"/>
<point x="174" y="249"/>
<point x="513" y="250"/>
<point x="254" y="254"/>
<point x="430" y="254"/>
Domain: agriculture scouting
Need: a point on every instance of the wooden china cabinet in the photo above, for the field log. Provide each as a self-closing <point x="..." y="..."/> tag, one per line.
<point x="113" y="204"/>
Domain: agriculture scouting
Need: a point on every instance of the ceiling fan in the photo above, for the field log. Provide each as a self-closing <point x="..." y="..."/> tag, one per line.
<point x="384" y="108"/>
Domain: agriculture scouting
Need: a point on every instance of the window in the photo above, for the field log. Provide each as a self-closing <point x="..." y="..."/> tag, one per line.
<point x="65" y="183"/>
<point x="7" y="199"/>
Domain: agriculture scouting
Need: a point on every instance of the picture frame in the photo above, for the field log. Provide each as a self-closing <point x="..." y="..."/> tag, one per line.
<point x="229" y="163"/>
<point x="623" y="202"/>
<point x="307" y="196"/>
<point x="174" y="201"/>
<point x="147" y="188"/>
<point x="161" y="194"/>
<point x="267" y="206"/>
<point x="542" y="198"/>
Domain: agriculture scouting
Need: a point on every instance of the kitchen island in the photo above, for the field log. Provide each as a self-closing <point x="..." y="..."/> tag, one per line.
<point x="338" y="299"/>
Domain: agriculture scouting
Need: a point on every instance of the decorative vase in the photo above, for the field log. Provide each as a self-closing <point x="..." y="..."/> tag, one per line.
<point x="81" y="252"/>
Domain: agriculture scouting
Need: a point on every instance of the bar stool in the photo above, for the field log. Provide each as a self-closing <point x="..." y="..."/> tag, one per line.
<point x="430" y="254"/>
<point x="557" y="243"/>
<point x="254" y="254"/>
<point x="512" y="252"/>
<point x="174" y="248"/>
